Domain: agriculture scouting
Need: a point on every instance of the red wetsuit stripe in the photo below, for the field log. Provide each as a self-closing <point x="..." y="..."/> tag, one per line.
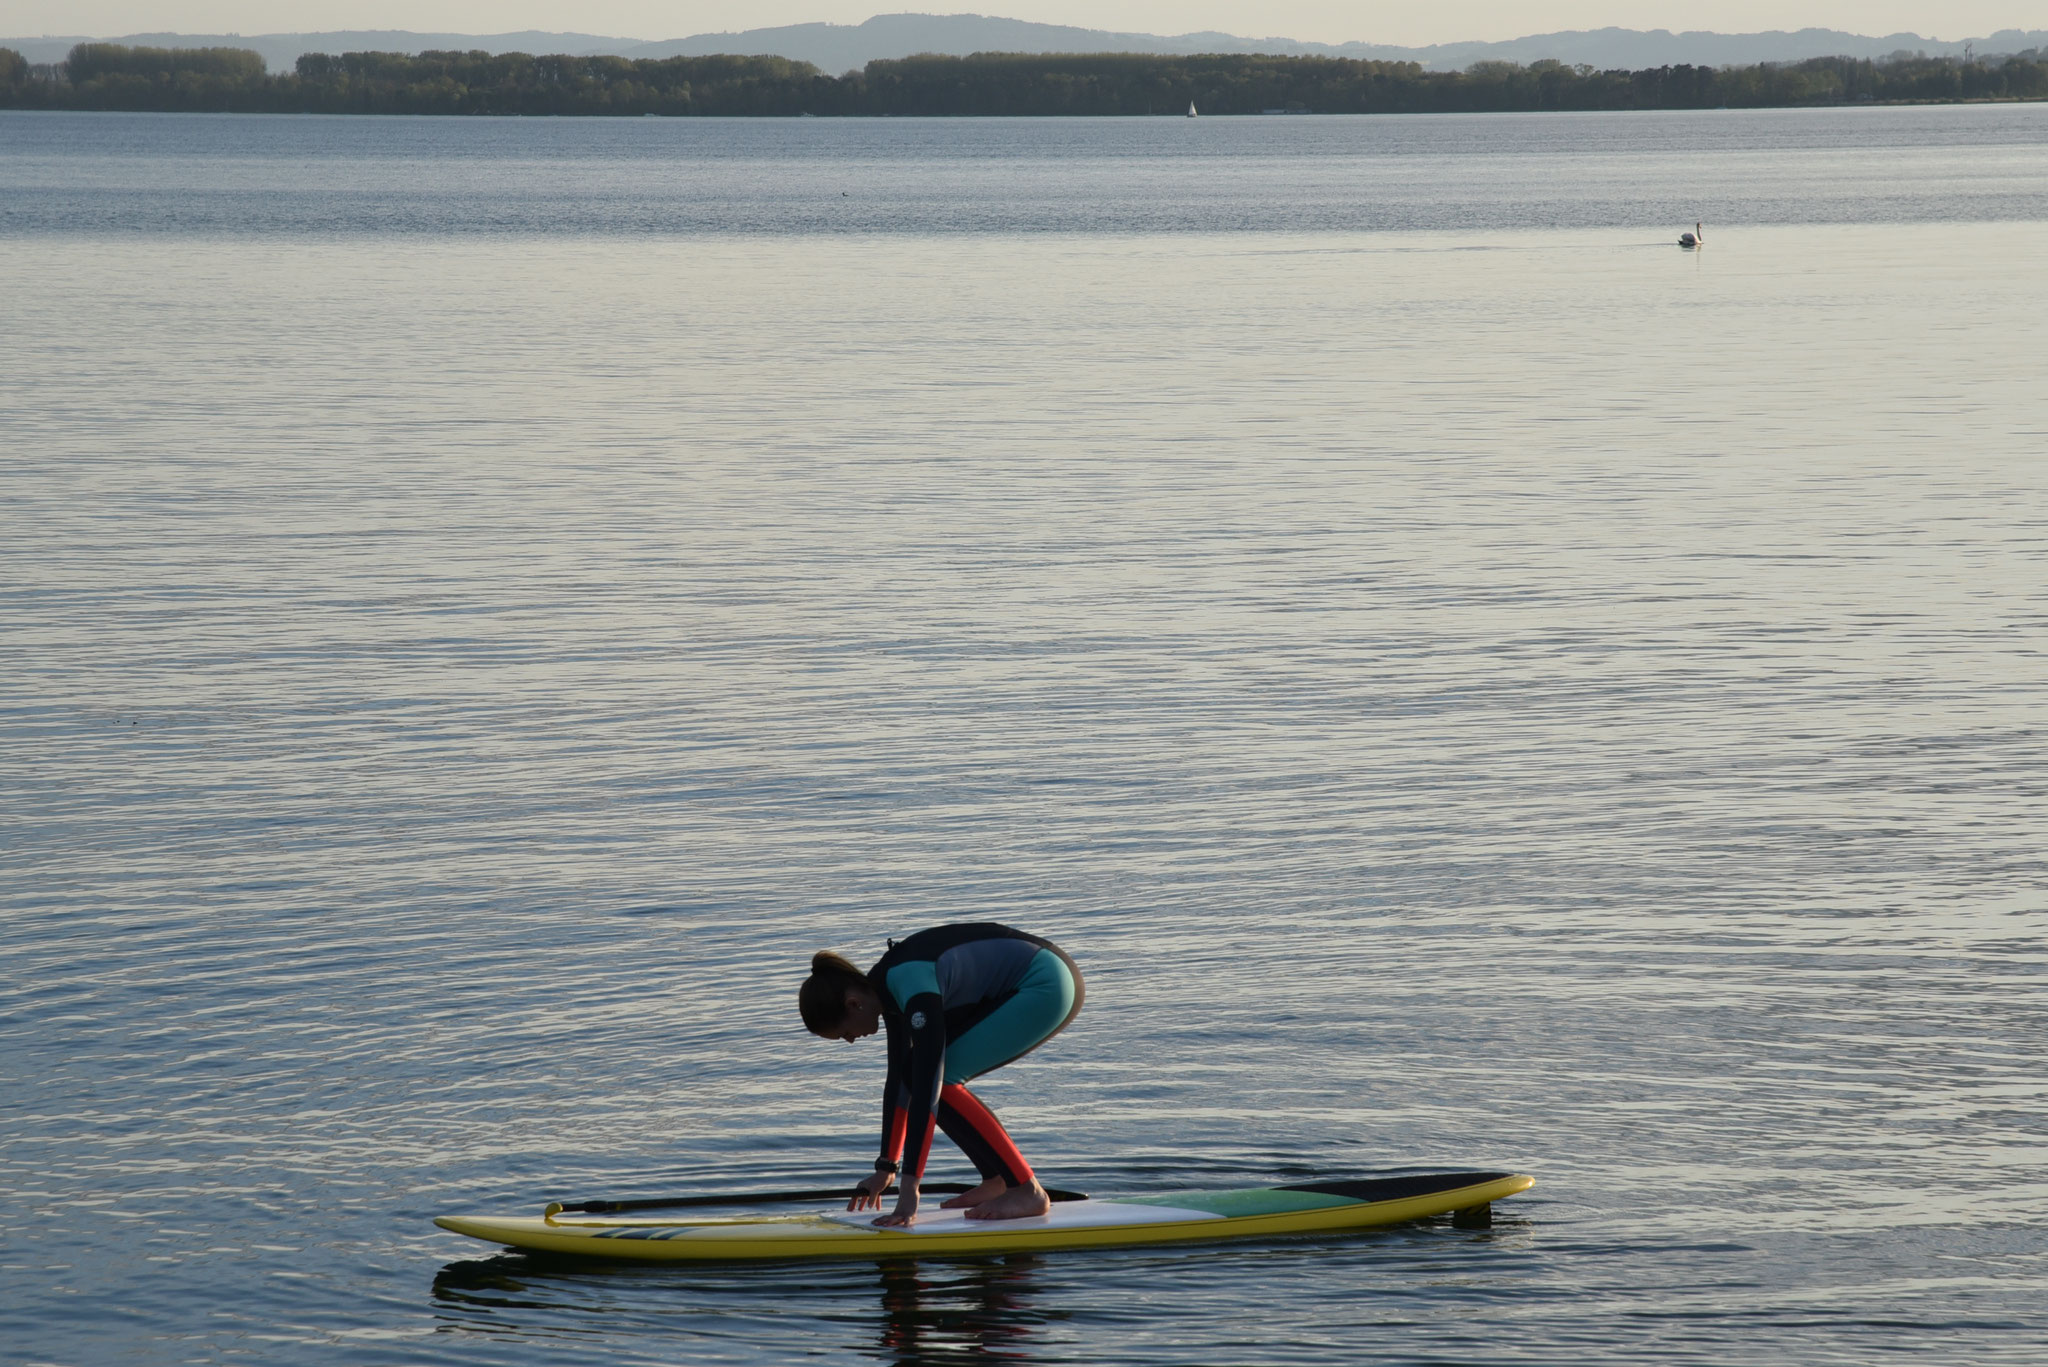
<point x="990" y="1129"/>
<point x="892" y="1138"/>
<point x="924" y="1151"/>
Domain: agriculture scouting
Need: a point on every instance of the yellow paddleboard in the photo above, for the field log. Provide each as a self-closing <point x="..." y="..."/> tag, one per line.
<point x="1186" y="1217"/>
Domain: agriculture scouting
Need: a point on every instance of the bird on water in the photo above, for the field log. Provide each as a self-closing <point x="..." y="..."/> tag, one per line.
<point x="1695" y="238"/>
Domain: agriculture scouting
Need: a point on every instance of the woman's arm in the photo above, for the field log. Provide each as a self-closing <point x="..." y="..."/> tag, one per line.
<point x="868" y="1193"/>
<point x="923" y="1030"/>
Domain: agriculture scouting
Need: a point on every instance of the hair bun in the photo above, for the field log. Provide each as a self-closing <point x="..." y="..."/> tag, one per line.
<point x="828" y="963"/>
<point x="822" y="999"/>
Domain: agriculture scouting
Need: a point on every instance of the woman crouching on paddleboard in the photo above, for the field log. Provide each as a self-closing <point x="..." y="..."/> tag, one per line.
<point x="957" y="1001"/>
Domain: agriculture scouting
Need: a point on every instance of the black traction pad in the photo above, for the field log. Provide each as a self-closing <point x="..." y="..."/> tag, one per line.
<point x="1397" y="1188"/>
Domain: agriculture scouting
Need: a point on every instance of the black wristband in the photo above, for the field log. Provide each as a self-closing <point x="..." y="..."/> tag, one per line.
<point x="887" y="1165"/>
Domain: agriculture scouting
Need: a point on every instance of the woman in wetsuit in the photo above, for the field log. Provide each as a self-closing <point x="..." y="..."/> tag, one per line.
<point x="957" y="1001"/>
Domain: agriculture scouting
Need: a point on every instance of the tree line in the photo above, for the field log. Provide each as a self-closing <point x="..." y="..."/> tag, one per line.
<point x="108" y="76"/>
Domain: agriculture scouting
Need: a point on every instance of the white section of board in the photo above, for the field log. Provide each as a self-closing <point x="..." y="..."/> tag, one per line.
<point x="1064" y="1215"/>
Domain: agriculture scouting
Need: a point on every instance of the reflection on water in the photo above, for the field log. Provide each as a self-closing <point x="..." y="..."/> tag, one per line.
<point x="928" y="1313"/>
<point x="945" y="1314"/>
<point x="491" y="1284"/>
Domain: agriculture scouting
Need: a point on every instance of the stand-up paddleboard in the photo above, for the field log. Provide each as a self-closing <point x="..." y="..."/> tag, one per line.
<point x="1082" y="1222"/>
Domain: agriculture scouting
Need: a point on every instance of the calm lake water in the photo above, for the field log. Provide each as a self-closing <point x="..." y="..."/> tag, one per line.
<point x="1472" y="685"/>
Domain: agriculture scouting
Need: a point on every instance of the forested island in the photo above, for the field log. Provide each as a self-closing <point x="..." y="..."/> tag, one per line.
<point x="107" y="76"/>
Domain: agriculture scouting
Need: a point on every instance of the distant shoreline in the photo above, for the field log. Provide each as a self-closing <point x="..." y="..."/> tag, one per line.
<point x="840" y="48"/>
<point x="110" y="77"/>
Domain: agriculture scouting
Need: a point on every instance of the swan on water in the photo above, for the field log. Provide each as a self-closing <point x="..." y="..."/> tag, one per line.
<point x="1692" y="239"/>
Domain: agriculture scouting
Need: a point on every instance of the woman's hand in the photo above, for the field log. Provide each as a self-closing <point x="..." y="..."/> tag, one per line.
<point x="906" y="1209"/>
<point x="867" y="1193"/>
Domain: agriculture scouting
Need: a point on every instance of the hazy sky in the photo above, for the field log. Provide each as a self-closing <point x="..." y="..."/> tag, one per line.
<point x="1396" y="21"/>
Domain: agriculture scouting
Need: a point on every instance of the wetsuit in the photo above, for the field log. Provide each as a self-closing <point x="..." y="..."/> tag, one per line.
<point x="958" y="1001"/>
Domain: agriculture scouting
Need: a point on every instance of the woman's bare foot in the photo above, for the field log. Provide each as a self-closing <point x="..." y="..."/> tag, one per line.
<point x="987" y="1191"/>
<point x="1014" y="1204"/>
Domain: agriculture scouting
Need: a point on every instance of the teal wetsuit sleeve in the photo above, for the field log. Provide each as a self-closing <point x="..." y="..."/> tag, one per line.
<point x="913" y="979"/>
<point x="915" y="988"/>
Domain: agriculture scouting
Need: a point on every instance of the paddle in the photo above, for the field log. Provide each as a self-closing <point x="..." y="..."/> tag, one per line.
<point x="758" y="1198"/>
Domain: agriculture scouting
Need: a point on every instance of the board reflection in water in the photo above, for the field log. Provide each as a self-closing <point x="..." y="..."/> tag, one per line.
<point x="942" y="1312"/>
<point x="919" y="1312"/>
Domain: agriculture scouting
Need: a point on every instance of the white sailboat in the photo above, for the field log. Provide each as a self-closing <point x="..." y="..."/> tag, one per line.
<point x="1191" y="109"/>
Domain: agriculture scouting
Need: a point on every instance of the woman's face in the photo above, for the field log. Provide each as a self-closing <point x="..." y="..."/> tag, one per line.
<point x="863" y="1017"/>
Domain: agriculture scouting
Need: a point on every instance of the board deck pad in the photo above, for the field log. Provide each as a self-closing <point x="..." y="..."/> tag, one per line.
<point x="1178" y="1217"/>
<point x="1090" y="1214"/>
